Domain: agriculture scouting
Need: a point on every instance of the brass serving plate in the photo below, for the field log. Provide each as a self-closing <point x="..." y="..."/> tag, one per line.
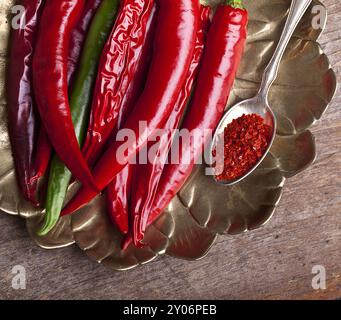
<point x="203" y="209"/>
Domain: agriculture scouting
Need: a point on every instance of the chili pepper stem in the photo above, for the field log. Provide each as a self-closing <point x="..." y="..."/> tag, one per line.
<point x="204" y="3"/>
<point x="237" y="4"/>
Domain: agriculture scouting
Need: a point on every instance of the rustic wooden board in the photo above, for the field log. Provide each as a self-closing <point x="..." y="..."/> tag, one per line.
<point x="273" y="262"/>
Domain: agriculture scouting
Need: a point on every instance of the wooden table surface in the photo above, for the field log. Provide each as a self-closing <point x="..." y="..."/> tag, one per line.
<point x="272" y="262"/>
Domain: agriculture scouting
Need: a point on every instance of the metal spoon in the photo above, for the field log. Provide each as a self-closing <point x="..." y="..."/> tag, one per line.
<point x="259" y="104"/>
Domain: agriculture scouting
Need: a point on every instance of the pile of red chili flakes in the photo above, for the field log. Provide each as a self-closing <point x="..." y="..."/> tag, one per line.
<point x="245" y="142"/>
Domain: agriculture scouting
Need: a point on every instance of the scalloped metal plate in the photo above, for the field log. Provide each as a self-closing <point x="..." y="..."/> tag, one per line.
<point x="203" y="209"/>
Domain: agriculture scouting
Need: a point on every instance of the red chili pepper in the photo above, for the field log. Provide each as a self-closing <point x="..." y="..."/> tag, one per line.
<point x="78" y="36"/>
<point x="223" y="52"/>
<point x="117" y="67"/>
<point x="118" y="191"/>
<point x="23" y="119"/>
<point x="174" y="44"/>
<point x="77" y="40"/>
<point x="147" y="177"/>
<point x="245" y="141"/>
<point x="50" y="83"/>
<point x="117" y="198"/>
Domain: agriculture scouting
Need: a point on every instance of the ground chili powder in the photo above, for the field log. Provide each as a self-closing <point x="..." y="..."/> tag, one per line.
<point x="245" y="141"/>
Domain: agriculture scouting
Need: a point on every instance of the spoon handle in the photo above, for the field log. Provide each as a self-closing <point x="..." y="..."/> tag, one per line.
<point x="296" y="12"/>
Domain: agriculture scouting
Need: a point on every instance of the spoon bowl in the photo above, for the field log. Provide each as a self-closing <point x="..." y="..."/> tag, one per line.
<point x="256" y="105"/>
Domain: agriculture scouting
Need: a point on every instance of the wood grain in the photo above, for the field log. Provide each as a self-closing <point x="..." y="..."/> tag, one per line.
<point x="273" y="262"/>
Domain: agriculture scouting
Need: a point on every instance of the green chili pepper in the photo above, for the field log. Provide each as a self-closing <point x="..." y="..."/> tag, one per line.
<point x="80" y="103"/>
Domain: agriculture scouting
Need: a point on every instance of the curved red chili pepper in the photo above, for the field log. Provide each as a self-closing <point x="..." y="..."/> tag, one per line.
<point x="50" y="83"/>
<point x="147" y="177"/>
<point x="223" y="52"/>
<point x="118" y="191"/>
<point x="78" y="36"/>
<point x="174" y="44"/>
<point x="117" y="198"/>
<point x="23" y="121"/>
<point x="44" y="147"/>
<point x="117" y="65"/>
